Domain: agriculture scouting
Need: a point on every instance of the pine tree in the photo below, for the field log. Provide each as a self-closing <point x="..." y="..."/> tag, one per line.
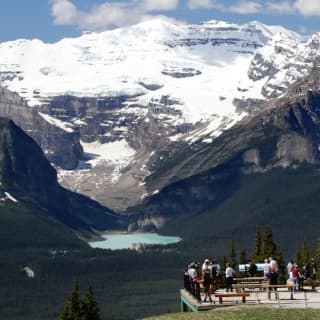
<point x="257" y="255"/>
<point x="305" y="253"/>
<point x="224" y="262"/>
<point x="243" y="256"/>
<point x="233" y="255"/>
<point x="72" y="309"/>
<point x="268" y="246"/>
<point x="298" y="258"/>
<point x="90" y="308"/>
<point x="282" y="267"/>
<point x="279" y="256"/>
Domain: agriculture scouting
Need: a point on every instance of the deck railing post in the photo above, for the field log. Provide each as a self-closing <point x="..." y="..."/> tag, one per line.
<point x="278" y="297"/>
<point x="182" y="306"/>
<point x="305" y="299"/>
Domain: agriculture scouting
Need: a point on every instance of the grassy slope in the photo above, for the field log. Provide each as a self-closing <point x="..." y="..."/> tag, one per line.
<point x="245" y="313"/>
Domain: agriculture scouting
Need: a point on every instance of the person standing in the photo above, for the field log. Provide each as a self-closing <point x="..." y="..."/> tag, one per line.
<point x="252" y="269"/>
<point x="294" y="276"/>
<point x="301" y="279"/>
<point x="313" y="268"/>
<point x="186" y="279"/>
<point x="192" y="274"/>
<point x="205" y="264"/>
<point x="215" y="273"/>
<point x="289" y="267"/>
<point x="229" y="277"/>
<point x="273" y="278"/>
<point x="206" y="276"/>
<point x="266" y="269"/>
<point x="273" y="265"/>
<point x="196" y="285"/>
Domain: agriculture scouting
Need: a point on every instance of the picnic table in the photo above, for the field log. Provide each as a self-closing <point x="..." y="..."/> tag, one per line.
<point x="242" y="284"/>
<point x="275" y="287"/>
<point x="250" y="279"/>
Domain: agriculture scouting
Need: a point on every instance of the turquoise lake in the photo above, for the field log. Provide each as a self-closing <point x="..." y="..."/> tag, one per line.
<point x="115" y="241"/>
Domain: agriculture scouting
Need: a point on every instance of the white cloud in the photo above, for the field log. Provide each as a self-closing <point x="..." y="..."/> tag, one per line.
<point x="163" y="18"/>
<point x="108" y="14"/>
<point x="63" y="11"/>
<point x="104" y="15"/>
<point x="245" y="7"/>
<point x="203" y="4"/>
<point x="151" y="5"/>
<point x="308" y="7"/>
<point x="127" y="12"/>
<point x="280" y="7"/>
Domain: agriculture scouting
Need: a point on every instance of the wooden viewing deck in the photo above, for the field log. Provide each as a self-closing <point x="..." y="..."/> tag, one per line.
<point x="282" y="297"/>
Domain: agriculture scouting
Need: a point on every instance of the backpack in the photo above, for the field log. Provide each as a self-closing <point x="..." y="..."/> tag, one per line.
<point x="214" y="272"/>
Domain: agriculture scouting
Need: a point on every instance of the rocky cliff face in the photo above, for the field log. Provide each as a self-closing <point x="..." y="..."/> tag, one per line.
<point x="106" y="124"/>
<point x="60" y="146"/>
<point x="27" y="174"/>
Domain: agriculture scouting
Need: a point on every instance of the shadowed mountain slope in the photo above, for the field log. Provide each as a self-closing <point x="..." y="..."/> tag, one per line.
<point x="28" y="178"/>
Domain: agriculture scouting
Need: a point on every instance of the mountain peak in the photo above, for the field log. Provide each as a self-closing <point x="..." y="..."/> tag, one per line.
<point x="176" y="57"/>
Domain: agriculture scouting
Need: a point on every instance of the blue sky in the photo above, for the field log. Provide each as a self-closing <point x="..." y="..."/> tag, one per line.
<point x="51" y="20"/>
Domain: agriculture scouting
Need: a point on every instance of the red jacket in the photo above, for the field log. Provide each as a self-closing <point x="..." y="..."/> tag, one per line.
<point x="295" y="272"/>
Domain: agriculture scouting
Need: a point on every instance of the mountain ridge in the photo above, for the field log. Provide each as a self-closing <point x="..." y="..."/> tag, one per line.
<point x="197" y="81"/>
<point x="262" y="171"/>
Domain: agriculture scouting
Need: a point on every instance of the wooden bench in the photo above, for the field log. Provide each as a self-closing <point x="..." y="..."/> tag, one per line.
<point x="240" y="287"/>
<point x="222" y="295"/>
<point x="249" y="279"/>
<point x="287" y="286"/>
<point x="311" y="282"/>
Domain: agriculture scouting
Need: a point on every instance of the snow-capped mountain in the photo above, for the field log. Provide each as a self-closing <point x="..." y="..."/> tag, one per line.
<point x="133" y="90"/>
<point x="149" y="60"/>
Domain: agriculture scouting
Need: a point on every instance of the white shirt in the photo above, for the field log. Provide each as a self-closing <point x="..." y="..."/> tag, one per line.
<point x="266" y="268"/>
<point x="191" y="272"/>
<point x="274" y="266"/>
<point x="229" y="272"/>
